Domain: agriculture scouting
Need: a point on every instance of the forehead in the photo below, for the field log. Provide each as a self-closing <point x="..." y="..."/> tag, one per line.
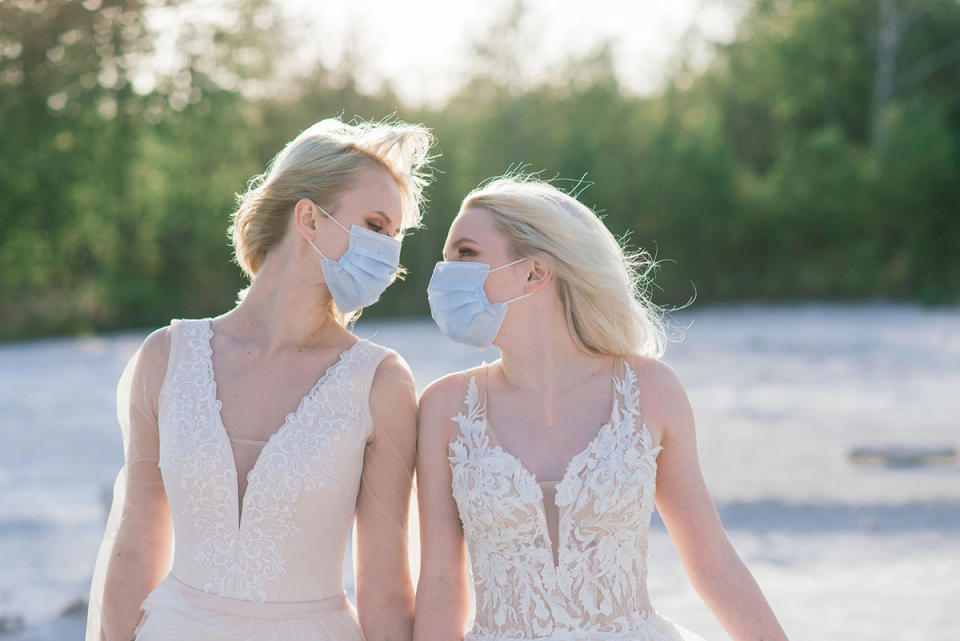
<point x="373" y="188"/>
<point x="478" y="225"/>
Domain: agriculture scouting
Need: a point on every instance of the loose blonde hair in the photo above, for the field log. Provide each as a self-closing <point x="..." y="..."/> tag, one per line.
<point x="602" y="287"/>
<point x="320" y="164"/>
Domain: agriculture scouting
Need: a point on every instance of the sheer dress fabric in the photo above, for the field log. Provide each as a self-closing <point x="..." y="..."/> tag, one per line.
<point x="560" y="560"/>
<point x="261" y="559"/>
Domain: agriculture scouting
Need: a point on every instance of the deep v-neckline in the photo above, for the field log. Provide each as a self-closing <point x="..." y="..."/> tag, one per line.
<point x="493" y="438"/>
<point x="493" y="443"/>
<point x="288" y="419"/>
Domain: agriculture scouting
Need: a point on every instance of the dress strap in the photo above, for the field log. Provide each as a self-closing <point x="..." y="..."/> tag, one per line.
<point x="628" y="388"/>
<point x="617" y="373"/>
<point x="471" y="417"/>
<point x="184" y="346"/>
<point x="472" y="375"/>
<point x="173" y="353"/>
<point x="486" y="384"/>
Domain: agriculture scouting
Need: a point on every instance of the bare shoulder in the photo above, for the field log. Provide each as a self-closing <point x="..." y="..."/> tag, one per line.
<point x="157" y="344"/>
<point x="663" y="397"/>
<point x="393" y="393"/>
<point x="656" y="376"/>
<point x="447" y="391"/>
<point x="153" y="356"/>
<point x="441" y="401"/>
<point x="393" y="371"/>
<point x="393" y="400"/>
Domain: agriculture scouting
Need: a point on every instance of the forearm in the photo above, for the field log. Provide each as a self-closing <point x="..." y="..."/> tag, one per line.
<point x="386" y="617"/>
<point x="733" y="595"/>
<point x="131" y="575"/>
<point x="442" y="610"/>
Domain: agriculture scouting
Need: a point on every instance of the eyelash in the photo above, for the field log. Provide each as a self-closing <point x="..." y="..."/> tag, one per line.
<point x="463" y="251"/>
<point x="374" y="226"/>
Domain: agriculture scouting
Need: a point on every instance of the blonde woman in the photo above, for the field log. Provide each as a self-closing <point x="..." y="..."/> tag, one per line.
<point x="547" y="463"/>
<point x="259" y="435"/>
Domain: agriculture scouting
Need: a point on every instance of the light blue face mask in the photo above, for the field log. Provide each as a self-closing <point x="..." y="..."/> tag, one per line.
<point x="360" y="276"/>
<point x="459" y="305"/>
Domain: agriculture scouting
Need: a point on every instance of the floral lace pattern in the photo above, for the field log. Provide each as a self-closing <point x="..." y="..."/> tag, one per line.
<point x="605" y="501"/>
<point x="240" y="549"/>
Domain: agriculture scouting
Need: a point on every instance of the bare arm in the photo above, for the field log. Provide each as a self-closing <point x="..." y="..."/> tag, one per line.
<point x="384" y="589"/>
<point x="714" y="567"/>
<point x="442" y="592"/>
<point x="135" y="554"/>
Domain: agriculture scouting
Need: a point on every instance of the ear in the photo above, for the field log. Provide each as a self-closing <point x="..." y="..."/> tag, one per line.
<point x="306" y="218"/>
<point x="540" y="273"/>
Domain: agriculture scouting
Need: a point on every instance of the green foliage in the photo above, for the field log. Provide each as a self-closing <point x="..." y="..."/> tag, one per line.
<point x="783" y="170"/>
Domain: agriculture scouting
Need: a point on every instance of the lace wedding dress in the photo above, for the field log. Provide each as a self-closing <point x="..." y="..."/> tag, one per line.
<point x="265" y="563"/>
<point x="564" y="560"/>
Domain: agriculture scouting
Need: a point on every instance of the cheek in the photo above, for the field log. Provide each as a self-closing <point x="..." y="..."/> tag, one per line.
<point x="497" y="289"/>
<point x="334" y="243"/>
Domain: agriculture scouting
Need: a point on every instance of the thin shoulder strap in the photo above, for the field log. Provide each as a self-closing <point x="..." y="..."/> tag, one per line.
<point x="629" y="389"/>
<point x="175" y="352"/>
<point x="470" y="376"/>
<point x="471" y="417"/>
<point x="486" y="383"/>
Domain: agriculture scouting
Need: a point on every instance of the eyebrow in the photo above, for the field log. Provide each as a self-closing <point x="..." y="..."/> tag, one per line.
<point x="457" y="243"/>
<point x="385" y="217"/>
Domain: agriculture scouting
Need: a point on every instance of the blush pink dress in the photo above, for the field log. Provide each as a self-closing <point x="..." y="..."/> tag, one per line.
<point x="261" y="559"/>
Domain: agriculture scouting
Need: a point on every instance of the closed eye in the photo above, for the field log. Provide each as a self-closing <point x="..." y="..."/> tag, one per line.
<point x="374" y="226"/>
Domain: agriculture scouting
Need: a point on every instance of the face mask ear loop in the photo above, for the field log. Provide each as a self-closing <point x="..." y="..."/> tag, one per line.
<point x="332" y="218"/>
<point x="507" y="302"/>
<point x="519" y="260"/>
<point x="317" y="249"/>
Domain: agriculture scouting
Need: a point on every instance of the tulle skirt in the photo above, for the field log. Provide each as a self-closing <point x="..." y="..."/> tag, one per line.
<point x="653" y="628"/>
<point x="177" y="612"/>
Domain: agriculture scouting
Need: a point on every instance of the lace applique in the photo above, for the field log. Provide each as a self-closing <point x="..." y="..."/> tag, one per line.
<point x="194" y="451"/>
<point x="240" y="552"/>
<point x="298" y="458"/>
<point x="496" y="502"/>
<point x="605" y="500"/>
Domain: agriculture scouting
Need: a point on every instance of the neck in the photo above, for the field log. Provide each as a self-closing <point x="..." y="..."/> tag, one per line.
<point x="287" y="305"/>
<point x="541" y="356"/>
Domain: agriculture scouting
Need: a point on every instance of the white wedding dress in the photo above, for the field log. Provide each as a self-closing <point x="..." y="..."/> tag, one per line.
<point x="564" y="560"/>
<point x="265" y="563"/>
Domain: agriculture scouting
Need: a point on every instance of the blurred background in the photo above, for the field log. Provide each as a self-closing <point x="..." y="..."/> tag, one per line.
<point x="795" y="164"/>
<point x="771" y="149"/>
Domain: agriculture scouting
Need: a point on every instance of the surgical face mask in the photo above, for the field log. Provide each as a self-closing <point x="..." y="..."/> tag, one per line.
<point x="360" y="276"/>
<point x="459" y="305"/>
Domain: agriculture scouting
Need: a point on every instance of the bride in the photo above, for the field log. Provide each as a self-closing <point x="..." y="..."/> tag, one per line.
<point x="261" y="434"/>
<point x="548" y="462"/>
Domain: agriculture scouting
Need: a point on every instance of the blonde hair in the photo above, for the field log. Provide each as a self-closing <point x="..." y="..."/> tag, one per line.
<point x="320" y="164"/>
<point x="602" y="287"/>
